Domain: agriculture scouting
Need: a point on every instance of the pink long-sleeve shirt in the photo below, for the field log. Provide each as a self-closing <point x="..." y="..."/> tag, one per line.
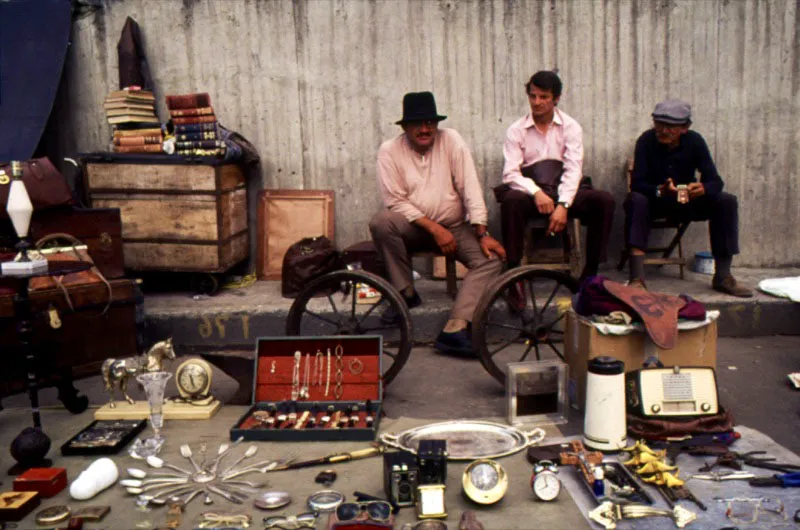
<point x="441" y="185"/>
<point x="525" y="145"/>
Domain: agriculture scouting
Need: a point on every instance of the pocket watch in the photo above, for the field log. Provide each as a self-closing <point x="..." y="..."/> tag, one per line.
<point x="193" y="379"/>
<point x="545" y="482"/>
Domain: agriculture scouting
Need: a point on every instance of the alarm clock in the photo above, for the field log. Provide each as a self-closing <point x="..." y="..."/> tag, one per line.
<point x="484" y="481"/>
<point x="545" y="482"/>
<point x="193" y="379"/>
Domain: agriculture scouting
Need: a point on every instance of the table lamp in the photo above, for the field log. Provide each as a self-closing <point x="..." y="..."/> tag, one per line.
<point x="20" y="210"/>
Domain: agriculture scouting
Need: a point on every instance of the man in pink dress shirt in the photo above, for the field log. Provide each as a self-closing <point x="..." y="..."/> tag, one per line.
<point x="434" y="202"/>
<point x="549" y="138"/>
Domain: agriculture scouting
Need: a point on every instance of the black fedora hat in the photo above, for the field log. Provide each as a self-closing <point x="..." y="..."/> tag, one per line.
<point x="419" y="106"/>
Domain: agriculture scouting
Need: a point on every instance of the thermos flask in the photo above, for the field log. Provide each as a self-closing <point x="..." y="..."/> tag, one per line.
<point x="604" y="426"/>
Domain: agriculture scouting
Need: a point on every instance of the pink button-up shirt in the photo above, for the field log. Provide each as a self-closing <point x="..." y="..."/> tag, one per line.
<point x="441" y="185"/>
<point x="525" y="145"/>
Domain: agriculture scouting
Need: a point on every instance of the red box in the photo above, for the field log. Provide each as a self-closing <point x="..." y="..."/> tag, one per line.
<point x="48" y="481"/>
<point x="15" y="505"/>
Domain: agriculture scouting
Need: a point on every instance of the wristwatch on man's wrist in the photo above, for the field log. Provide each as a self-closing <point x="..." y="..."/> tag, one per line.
<point x="565" y="204"/>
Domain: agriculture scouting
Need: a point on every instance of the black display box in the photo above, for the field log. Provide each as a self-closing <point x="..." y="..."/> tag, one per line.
<point x="103" y="437"/>
<point x="275" y="369"/>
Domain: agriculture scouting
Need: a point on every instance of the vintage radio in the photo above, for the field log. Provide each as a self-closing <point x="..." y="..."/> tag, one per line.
<point x="673" y="391"/>
<point x="400" y="477"/>
<point x="432" y="461"/>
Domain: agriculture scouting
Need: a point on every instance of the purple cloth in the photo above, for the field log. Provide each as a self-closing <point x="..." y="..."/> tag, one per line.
<point x="594" y="299"/>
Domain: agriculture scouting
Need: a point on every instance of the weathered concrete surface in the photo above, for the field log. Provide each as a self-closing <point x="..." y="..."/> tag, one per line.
<point x="235" y="318"/>
<point x="316" y="86"/>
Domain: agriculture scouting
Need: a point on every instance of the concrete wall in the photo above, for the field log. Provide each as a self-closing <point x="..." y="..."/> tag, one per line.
<point x="316" y="85"/>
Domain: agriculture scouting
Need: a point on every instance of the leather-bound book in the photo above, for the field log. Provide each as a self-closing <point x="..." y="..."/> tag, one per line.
<point x="154" y="148"/>
<point x="219" y="151"/>
<point x="149" y="131"/>
<point x="202" y="144"/>
<point x="188" y="101"/>
<point x="196" y="137"/>
<point x="137" y="140"/>
<point x="194" y="127"/>
<point x="202" y="111"/>
<point x="187" y="120"/>
<point x="113" y="120"/>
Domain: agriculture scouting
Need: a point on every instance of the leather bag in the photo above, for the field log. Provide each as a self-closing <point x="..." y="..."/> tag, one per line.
<point x="306" y="260"/>
<point x="46" y="186"/>
<point x="660" y="429"/>
<point x="545" y="173"/>
<point x="74" y="251"/>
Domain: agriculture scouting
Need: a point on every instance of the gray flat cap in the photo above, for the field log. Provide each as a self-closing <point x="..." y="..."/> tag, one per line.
<point x="673" y="111"/>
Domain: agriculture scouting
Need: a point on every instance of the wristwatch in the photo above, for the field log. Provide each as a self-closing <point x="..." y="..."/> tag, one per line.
<point x="565" y="204"/>
<point x="658" y="193"/>
<point x="484" y="234"/>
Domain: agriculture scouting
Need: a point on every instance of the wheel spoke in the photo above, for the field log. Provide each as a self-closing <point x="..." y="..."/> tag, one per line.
<point x="370" y="310"/>
<point x="504" y="326"/>
<point x="528" y="350"/>
<point x="390" y="354"/>
<point x="333" y="306"/>
<point x="337" y="325"/>
<point x="532" y="294"/>
<point x="503" y="347"/>
<point x="561" y="355"/>
<point x="354" y="292"/>
<point x="550" y="299"/>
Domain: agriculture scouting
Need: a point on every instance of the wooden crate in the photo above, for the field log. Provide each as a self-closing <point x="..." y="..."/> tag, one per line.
<point x="175" y="217"/>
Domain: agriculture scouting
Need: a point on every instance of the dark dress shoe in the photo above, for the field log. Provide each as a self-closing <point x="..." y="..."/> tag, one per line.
<point x="458" y="343"/>
<point x="390" y="316"/>
<point x="730" y="286"/>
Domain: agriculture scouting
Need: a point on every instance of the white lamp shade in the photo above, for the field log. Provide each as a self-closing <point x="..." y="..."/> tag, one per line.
<point x="19" y="207"/>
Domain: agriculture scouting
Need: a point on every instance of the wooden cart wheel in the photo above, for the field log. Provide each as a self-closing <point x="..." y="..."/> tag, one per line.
<point x="205" y="283"/>
<point x="330" y="305"/>
<point x="501" y="335"/>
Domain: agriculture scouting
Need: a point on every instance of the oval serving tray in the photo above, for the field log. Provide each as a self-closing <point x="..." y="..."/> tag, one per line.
<point x="467" y="440"/>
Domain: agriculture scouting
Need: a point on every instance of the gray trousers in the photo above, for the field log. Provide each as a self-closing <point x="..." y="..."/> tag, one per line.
<point x="396" y="238"/>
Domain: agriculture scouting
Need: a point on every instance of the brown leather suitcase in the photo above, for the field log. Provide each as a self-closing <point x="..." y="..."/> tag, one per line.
<point x="84" y="340"/>
<point x="99" y="228"/>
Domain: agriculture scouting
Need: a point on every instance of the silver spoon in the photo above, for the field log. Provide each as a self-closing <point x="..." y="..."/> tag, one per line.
<point x="203" y="451"/>
<point x="136" y="483"/>
<point x="253" y="469"/>
<point x="164" y="497"/>
<point x="140" y="473"/>
<point x="186" y="500"/>
<point x="186" y="452"/>
<point x="225" y="494"/>
<point x="222" y="451"/>
<point x="158" y="463"/>
<point x="253" y="449"/>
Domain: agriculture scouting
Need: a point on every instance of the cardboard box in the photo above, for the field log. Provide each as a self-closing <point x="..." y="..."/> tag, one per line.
<point x="15" y="505"/>
<point x="359" y="397"/>
<point x="47" y="481"/>
<point x="696" y="347"/>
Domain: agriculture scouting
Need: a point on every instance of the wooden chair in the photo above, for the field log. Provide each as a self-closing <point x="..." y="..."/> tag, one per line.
<point x="663" y="223"/>
<point x="568" y="258"/>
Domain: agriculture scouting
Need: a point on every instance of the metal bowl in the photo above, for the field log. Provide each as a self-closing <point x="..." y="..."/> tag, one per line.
<point x="272" y="500"/>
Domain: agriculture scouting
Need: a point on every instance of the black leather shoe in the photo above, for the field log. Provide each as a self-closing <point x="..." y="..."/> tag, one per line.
<point x="390" y="316"/>
<point x="458" y="343"/>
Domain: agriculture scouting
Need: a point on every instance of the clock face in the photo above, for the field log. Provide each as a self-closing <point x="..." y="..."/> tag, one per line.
<point x="192" y="378"/>
<point x="546" y="486"/>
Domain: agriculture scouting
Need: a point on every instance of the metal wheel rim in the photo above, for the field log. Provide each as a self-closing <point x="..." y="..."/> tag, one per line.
<point x="538" y="331"/>
<point x="356" y="319"/>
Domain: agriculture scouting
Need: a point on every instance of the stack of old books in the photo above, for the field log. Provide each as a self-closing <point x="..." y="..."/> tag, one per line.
<point x="132" y="113"/>
<point x="196" y="132"/>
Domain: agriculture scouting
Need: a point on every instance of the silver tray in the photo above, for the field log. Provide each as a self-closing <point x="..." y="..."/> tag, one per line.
<point x="467" y="440"/>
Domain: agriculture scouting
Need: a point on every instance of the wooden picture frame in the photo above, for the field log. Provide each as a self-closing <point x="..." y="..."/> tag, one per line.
<point x="285" y="217"/>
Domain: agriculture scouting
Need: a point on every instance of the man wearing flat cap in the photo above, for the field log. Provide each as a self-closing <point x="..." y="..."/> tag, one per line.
<point x="434" y="202"/>
<point x="663" y="184"/>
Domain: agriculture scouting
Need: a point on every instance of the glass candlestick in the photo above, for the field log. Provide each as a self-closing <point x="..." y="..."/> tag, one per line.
<point x="154" y="384"/>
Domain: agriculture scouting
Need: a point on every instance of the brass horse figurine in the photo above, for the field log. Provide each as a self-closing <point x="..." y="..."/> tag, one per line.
<point x="121" y="370"/>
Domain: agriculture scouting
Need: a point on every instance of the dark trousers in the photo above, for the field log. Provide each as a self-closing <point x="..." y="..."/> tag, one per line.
<point x="594" y="209"/>
<point x="721" y="212"/>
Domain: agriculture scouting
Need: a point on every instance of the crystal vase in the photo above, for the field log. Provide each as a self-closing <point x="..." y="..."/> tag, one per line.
<point x="154" y="384"/>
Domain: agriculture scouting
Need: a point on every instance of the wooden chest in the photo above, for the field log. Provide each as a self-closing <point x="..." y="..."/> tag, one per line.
<point x="175" y="216"/>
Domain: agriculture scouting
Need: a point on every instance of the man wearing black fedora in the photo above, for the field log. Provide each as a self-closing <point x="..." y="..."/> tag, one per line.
<point x="663" y="183"/>
<point x="434" y="202"/>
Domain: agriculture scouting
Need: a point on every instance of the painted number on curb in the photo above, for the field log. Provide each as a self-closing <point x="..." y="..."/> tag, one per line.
<point x="208" y="327"/>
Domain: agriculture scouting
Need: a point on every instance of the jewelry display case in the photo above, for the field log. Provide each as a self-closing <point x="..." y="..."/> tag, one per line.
<point x="315" y="389"/>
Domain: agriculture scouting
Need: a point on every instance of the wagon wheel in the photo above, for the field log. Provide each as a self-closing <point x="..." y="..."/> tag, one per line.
<point x="205" y="283"/>
<point x="501" y="336"/>
<point x="329" y="306"/>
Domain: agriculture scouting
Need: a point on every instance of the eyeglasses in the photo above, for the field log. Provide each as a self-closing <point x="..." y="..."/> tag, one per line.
<point x="291" y="522"/>
<point x="380" y="511"/>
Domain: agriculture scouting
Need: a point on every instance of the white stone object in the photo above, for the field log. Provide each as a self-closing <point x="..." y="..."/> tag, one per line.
<point x="101" y="474"/>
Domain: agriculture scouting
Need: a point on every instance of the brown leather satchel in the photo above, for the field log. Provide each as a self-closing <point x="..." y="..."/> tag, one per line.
<point x="69" y="249"/>
<point x="46" y="186"/>
<point x="306" y="260"/>
<point x="659" y="429"/>
<point x="545" y="173"/>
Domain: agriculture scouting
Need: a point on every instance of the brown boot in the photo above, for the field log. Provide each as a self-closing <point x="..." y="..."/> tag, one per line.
<point x="730" y="286"/>
<point x="638" y="283"/>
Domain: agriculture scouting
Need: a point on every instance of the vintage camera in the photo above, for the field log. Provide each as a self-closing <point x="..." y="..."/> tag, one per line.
<point x="400" y="477"/>
<point x="432" y="461"/>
